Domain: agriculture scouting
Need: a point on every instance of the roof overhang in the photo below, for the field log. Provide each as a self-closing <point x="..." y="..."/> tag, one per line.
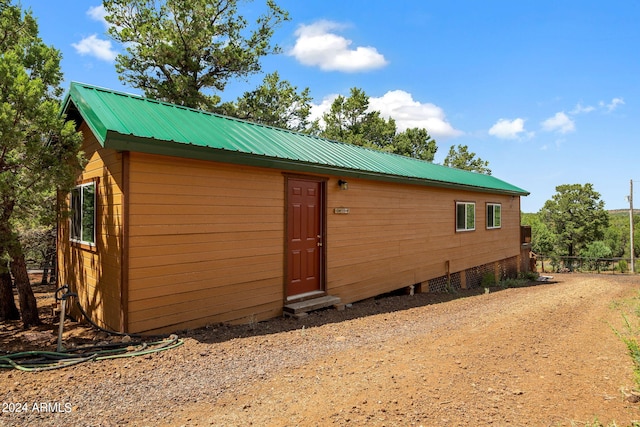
<point x="121" y="142"/>
<point x="83" y="103"/>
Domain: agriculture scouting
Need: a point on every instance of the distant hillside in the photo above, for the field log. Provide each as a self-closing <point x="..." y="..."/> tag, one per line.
<point x="623" y="211"/>
<point x="615" y="212"/>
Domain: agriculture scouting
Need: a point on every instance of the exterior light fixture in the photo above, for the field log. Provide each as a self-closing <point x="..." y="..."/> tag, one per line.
<point x="344" y="185"/>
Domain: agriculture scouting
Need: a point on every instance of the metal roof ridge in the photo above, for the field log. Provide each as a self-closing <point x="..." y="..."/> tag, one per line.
<point x="182" y="107"/>
<point x="311" y="149"/>
<point x="235" y="119"/>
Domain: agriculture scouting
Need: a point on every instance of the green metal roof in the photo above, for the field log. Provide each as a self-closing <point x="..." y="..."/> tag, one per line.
<point x="131" y="123"/>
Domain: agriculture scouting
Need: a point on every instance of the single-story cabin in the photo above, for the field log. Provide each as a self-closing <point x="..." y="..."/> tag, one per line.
<point x="183" y="218"/>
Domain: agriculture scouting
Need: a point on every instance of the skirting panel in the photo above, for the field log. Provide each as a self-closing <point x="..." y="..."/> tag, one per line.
<point x="503" y="269"/>
<point x="446" y="284"/>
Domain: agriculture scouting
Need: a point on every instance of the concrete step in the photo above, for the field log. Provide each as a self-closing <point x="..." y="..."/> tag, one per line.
<point x="300" y="309"/>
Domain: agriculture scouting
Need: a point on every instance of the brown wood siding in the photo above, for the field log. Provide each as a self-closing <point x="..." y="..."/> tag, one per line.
<point x="206" y="240"/>
<point x="398" y="235"/>
<point x="95" y="273"/>
<point x="205" y="243"/>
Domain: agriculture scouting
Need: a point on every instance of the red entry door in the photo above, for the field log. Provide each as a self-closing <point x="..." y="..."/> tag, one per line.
<point x="304" y="236"/>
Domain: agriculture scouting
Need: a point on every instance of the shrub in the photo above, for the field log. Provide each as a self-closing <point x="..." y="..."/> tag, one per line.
<point x="488" y="279"/>
<point x="530" y="276"/>
<point x="594" y="251"/>
<point x="629" y="337"/>
<point x="513" y="283"/>
<point x="622" y="266"/>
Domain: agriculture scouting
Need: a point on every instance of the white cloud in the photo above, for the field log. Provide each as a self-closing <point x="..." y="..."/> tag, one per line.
<point x="97" y="47"/>
<point x="615" y="102"/>
<point x="602" y="105"/>
<point x="318" y="45"/>
<point x="580" y="109"/>
<point x="406" y="112"/>
<point x="318" y="110"/>
<point x="97" y="13"/>
<point x="507" y="129"/>
<point x="559" y="123"/>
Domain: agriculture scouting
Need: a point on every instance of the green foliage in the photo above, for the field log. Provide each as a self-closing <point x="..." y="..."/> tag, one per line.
<point x="630" y="333"/>
<point x="597" y="249"/>
<point x="542" y="239"/>
<point x="529" y="276"/>
<point x="38" y="148"/>
<point x="38" y="243"/>
<point x="176" y="50"/>
<point x="594" y="251"/>
<point x="629" y="336"/>
<point x="415" y="143"/>
<point x="576" y="217"/>
<point x="488" y="279"/>
<point x="523" y="279"/>
<point x="622" y="266"/>
<point x="450" y="289"/>
<point x="274" y="103"/>
<point x="350" y="120"/>
<point x="616" y="239"/>
<point x="596" y="423"/>
<point x="617" y="235"/>
<point x="513" y="283"/>
<point x="461" y="158"/>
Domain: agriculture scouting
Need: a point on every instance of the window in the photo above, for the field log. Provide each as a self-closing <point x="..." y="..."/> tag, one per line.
<point x="494" y="215"/>
<point x="465" y="216"/>
<point x="83" y="216"/>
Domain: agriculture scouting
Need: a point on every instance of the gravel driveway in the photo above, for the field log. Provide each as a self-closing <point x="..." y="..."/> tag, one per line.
<point x="543" y="355"/>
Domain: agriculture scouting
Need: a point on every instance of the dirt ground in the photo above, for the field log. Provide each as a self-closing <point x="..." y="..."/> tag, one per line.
<point x="541" y="355"/>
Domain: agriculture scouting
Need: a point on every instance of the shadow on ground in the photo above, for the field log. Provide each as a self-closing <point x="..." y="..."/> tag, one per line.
<point x="14" y="338"/>
<point x="386" y="303"/>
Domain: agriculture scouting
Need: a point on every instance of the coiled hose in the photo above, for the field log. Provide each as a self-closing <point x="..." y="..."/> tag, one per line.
<point x="36" y="361"/>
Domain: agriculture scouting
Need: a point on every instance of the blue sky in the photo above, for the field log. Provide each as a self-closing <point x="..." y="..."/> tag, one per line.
<point x="547" y="91"/>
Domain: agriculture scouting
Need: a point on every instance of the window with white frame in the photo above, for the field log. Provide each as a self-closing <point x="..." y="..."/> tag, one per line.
<point x="465" y="216"/>
<point x="83" y="214"/>
<point x="494" y="215"/>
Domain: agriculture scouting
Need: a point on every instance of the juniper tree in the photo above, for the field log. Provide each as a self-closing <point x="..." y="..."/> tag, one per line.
<point x="185" y="51"/>
<point x="38" y="148"/>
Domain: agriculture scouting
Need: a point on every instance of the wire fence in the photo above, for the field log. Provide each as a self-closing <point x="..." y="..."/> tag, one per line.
<point x="567" y="264"/>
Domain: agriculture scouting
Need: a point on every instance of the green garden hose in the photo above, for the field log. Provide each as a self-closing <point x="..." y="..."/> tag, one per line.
<point x="36" y="361"/>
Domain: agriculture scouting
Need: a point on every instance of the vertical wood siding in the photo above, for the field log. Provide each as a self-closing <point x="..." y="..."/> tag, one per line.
<point x="399" y="235"/>
<point x="205" y="243"/>
<point x="95" y="273"/>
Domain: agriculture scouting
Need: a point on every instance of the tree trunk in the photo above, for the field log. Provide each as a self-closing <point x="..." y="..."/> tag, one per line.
<point x="8" y="309"/>
<point x="28" y="306"/>
<point x="49" y="257"/>
<point x="53" y="273"/>
<point x="45" y="272"/>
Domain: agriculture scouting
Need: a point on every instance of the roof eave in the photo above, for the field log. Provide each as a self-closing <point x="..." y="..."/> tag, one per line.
<point x="88" y="114"/>
<point x="133" y="143"/>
